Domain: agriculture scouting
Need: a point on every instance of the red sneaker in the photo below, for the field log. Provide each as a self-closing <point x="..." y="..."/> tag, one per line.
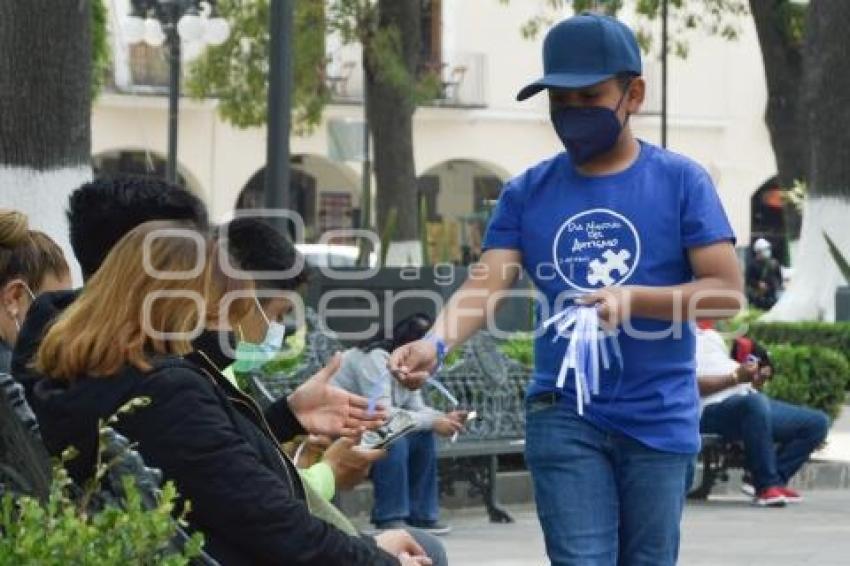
<point x="791" y="496"/>
<point x="770" y="497"/>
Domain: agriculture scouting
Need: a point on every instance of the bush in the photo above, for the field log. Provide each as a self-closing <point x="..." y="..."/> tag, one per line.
<point x="824" y="334"/>
<point x="809" y="375"/>
<point x="59" y="532"/>
<point x="520" y="347"/>
<point x="740" y="322"/>
<point x="81" y="526"/>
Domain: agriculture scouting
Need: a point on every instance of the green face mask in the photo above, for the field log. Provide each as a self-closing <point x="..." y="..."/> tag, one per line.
<point x="250" y="356"/>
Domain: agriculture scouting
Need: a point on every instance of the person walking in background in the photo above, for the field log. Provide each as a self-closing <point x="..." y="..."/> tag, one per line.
<point x="30" y="263"/>
<point x="764" y="276"/>
<point x="634" y="237"/>
<point x="406" y="488"/>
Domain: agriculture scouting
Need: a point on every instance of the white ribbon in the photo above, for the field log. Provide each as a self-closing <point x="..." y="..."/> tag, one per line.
<point x="385" y="376"/>
<point x="579" y="324"/>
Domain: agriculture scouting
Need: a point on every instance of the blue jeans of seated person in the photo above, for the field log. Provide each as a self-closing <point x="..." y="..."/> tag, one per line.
<point x="406" y="480"/>
<point x="778" y="437"/>
<point x="603" y="498"/>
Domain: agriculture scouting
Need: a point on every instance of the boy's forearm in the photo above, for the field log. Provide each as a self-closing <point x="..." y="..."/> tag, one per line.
<point x="464" y="315"/>
<point x="468" y="309"/>
<point x="709" y="297"/>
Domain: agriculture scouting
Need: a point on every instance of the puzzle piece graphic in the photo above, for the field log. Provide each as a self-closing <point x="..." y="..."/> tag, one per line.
<point x="601" y="272"/>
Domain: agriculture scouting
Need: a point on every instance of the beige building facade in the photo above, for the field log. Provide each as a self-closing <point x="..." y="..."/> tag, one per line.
<point x="469" y="141"/>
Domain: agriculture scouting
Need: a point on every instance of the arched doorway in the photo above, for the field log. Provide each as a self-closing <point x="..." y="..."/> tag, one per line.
<point x="458" y="197"/>
<point x="139" y="162"/>
<point x="325" y="194"/>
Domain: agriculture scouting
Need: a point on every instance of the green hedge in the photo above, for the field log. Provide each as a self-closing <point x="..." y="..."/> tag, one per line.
<point x="809" y="375"/>
<point x="520" y="347"/>
<point x="825" y="334"/>
<point x="805" y="375"/>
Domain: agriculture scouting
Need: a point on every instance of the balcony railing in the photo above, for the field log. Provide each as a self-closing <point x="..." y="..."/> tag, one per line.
<point x="463" y="81"/>
<point x="461" y="77"/>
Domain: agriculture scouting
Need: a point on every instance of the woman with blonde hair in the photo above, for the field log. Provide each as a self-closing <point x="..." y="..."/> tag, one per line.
<point x="128" y="336"/>
<point x="30" y="263"/>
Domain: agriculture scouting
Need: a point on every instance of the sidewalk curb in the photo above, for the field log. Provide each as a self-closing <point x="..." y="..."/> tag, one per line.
<point x="515" y="488"/>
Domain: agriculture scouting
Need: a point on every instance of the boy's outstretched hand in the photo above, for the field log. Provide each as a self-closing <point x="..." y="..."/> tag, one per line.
<point x="413" y="363"/>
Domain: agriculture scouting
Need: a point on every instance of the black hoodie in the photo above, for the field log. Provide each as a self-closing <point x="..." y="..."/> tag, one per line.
<point x="220" y="451"/>
<point x="212" y="441"/>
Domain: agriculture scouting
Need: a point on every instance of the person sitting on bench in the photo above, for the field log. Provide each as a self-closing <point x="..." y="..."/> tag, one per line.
<point x="406" y="480"/>
<point x="778" y="437"/>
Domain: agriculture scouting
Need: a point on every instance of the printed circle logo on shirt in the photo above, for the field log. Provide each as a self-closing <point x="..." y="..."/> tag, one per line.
<point x="595" y="249"/>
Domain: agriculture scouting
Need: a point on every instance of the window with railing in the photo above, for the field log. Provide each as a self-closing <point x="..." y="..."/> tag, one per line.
<point x="148" y="67"/>
<point x="141" y="69"/>
<point x="461" y="79"/>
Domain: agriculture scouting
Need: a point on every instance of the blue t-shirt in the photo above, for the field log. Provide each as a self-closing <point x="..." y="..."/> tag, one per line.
<point x="579" y="234"/>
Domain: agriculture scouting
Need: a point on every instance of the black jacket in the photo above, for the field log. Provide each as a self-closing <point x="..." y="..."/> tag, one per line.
<point x="217" y="447"/>
<point x="40" y="316"/>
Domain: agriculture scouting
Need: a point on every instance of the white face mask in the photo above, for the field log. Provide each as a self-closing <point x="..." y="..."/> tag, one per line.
<point x="766" y="254"/>
<point x="275" y="331"/>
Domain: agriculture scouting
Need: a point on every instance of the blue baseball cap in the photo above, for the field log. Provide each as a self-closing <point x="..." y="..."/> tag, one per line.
<point x="585" y="50"/>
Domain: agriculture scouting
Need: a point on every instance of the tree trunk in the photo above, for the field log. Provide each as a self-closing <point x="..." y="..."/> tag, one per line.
<point x="45" y="108"/>
<point x="783" y="68"/>
<point x="391" y="105"/>
<point x="811" y="294"/>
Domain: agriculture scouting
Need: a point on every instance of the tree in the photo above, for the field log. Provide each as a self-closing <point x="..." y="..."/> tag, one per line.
<point x="45" y="107"/>
<point x="780" y="26"/>
<point x="388" y="32"/>
<point x="825" y="82"/>
<point x="236" y="73"/>
<point x="390" y="103"/>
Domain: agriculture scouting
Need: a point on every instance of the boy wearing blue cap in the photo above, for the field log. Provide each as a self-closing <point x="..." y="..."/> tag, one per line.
<point x="639" y="233"/>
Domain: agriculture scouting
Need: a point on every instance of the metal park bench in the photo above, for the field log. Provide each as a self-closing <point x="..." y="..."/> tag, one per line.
<point x="483" y="379"/>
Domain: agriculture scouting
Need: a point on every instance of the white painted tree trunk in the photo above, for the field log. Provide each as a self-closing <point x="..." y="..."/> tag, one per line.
<point x="45" y="110"/>
<point x="43" y="196"/>
<point x="811" y="293"/>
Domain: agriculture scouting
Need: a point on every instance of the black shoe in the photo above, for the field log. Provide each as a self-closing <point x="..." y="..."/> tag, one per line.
<point x="433" y="527"/>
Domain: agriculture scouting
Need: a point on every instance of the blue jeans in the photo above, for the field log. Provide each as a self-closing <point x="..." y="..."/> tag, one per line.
<point x="406" y="480"/>
<point x="602" y="497"/>
<point x="778" y="437"/>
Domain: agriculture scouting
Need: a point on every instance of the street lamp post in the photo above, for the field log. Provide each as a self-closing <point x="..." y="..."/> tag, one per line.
<point x="174" y="22"/>
<point x="277" y="195"/>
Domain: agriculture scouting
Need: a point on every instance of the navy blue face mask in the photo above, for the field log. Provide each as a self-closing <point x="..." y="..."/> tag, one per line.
<point x="587" y="132"/>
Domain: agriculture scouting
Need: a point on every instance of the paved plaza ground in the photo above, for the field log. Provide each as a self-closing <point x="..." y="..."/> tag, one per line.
<point x="725" y="531"/>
